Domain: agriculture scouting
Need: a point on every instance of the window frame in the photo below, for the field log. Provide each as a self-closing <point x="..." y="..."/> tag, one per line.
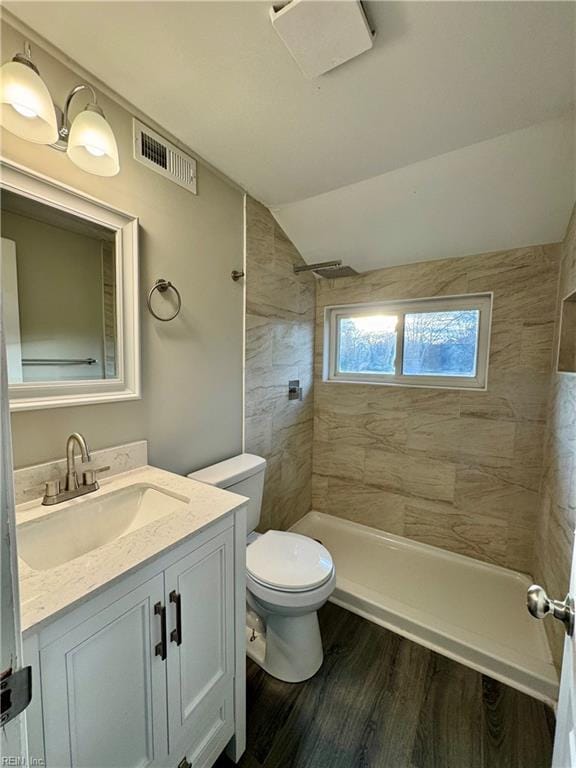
<point x="482" y="302"/>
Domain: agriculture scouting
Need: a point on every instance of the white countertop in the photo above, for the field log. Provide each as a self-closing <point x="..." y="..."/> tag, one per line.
<point x="46" y="594"/>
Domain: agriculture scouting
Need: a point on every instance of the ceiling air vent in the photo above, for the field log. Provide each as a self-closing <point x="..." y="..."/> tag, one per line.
<point x="161" y="156"/>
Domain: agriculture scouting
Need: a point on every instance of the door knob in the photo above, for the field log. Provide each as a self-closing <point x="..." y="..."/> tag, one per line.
<point x="540" y="605"/>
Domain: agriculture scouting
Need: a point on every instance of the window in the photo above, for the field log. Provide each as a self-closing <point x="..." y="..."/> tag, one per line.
<point x="441" y="342"/>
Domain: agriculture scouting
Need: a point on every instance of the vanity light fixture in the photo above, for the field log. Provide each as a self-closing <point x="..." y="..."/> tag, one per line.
<point x="26" y="107"/>
<point x="27" y="110"/>
<point x="89" y="141"/>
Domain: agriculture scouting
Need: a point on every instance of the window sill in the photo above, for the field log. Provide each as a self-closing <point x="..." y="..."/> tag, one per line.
<point x="473" y="386"/>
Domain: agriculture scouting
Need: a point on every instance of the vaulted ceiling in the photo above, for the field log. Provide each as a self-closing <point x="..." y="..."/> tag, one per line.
<point x="453" y="135"/>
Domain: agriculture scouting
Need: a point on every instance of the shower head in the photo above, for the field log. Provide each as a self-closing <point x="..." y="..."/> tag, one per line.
<point x="335" y="272"/>
<point x="328" y="269"/>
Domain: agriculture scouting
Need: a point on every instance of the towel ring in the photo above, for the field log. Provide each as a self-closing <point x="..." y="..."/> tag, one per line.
<point x="161" y="286"/>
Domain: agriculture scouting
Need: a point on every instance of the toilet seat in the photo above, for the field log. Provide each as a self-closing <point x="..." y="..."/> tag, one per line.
<point x="284" y="601"/>
<point x="288" y="562"/>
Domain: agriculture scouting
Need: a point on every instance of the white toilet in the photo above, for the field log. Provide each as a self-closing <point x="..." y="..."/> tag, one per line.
<point x="289" y="577"/>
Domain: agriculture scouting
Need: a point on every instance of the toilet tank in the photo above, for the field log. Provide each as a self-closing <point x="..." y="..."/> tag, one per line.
<point x="243" y="474"/>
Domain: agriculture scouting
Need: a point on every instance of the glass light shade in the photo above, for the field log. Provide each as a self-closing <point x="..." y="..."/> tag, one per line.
<point x="92" y="145"/>
<point x="26" y="107"/>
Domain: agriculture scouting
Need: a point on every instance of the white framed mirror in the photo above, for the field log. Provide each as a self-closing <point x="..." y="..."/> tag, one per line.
<point x="69" y="294"/>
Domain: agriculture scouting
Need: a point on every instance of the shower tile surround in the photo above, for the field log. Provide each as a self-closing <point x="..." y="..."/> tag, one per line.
<point x="455" y="469"/>
<point x="279" y="347"/>
<point x="557" y="517"/>
<point x="477" y="473"/>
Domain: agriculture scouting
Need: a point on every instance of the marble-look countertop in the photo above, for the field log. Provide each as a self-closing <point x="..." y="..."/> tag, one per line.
<point x="46" y="595"/>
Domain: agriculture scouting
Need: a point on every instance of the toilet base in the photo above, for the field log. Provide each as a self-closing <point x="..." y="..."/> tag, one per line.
<point x="290" y="649"/>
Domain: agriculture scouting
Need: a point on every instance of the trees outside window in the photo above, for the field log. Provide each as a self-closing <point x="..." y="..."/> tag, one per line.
<point x="430" y="342"/>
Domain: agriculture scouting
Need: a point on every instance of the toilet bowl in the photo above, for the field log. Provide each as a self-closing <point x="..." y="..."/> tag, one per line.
<point x="288" y="578"/>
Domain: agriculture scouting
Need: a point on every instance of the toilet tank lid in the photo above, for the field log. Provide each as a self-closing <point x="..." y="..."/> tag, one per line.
<point x="229" y="472"/>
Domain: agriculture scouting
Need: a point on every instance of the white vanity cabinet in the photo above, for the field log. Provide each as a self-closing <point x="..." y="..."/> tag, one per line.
<point x="150" y="671"/>
<point x="103" y="690"/>
<point x="200" y="663"/>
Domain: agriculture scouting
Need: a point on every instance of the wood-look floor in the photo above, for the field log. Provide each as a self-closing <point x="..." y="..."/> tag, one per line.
<point x="381" y="701"/>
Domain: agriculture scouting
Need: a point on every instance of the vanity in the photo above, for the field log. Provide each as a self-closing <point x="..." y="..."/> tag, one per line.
<point x="133" y="612"/>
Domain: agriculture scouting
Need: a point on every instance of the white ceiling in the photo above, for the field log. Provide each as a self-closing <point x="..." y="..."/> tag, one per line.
<point x="441" y="77"/>
<point x="517" y="189"/>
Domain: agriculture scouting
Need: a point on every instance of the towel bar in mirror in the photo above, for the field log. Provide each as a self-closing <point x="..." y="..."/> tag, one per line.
<point x="69" y="282"/>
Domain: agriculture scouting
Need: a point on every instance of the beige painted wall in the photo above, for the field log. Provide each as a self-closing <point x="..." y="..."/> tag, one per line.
<point x="279" y="347"/>
<point x="555" y="532"/>
<point x="455" y="469"/>
<point x="59" y="296"/>
<point x="192" y="368"/>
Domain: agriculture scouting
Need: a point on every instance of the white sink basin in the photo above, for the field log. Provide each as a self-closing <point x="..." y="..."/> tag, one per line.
<point x="85" y="524"/>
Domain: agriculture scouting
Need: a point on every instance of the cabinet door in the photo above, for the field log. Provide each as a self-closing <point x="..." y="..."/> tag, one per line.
<point x="201" y="659"/>
<point x="104" y="689"/>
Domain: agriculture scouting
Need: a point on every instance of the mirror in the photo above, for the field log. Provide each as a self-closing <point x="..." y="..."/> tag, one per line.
<point x="57" y="273"/>
<point x="68" y="269"/>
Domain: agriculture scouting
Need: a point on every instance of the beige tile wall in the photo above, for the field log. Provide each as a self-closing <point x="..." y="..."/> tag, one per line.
<point x="555" y="536"/>
<point x="279" y="347"/>
<point x="459" y="470"/>
<point x="456" y="469"/>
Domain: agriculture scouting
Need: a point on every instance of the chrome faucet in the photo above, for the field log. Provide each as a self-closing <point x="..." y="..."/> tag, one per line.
<point x="72" y="487"/>
<point x="72" y="483"/>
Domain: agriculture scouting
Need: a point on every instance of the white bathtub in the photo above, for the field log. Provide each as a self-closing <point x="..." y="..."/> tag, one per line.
<point x="471" y="611"/>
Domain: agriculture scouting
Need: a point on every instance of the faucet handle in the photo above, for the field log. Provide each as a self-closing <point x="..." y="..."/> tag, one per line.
<point x="89" y="475"/>
<point x="52" y="488"/>
<point x="51" y="492"/>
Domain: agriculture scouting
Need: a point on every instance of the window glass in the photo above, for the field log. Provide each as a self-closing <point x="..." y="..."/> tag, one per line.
<point x="433" y="342"/>
<point x="367" y="344"/>
<point x="441" y="343"/>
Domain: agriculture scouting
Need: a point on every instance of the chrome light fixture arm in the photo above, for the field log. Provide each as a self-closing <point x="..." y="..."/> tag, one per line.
<point x="63" y="116"/>
<point x="28" y="110"/>
<point x="26" y="58"/>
